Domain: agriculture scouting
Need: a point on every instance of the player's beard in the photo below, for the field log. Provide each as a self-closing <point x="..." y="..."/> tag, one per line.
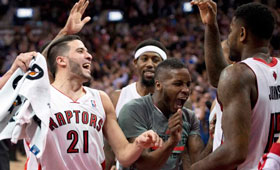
<point x="76" y="69"/>
<point x="147" y="83"/>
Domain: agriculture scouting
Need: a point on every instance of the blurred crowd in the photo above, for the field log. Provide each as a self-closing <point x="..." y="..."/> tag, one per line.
<point x="112" y="43"/>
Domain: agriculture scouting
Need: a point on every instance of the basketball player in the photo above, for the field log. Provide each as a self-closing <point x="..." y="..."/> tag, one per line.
<point x="216" y="112"/>
<point x="163" y="112"/>
<point x="247" y="90"/>
<point x="148" y="54"/>
<point x="80" y="116"/>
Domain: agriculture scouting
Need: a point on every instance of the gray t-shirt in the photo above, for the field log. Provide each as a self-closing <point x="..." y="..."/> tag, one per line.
<point x="140" y="115"/>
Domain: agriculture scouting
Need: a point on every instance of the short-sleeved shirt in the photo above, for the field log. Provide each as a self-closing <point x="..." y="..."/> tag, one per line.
<point x="140" y="115"/>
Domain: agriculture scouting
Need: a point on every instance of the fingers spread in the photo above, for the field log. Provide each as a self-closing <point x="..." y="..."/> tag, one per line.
<point x="83" y="8"/>
<point x="74" y="8"/>
<point x="86" y="19"/>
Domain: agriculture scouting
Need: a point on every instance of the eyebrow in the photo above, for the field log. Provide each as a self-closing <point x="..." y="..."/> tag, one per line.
<point x="82" y="48"/>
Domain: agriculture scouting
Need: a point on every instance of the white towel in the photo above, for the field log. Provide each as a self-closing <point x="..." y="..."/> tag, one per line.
<point x="25" y="106"/>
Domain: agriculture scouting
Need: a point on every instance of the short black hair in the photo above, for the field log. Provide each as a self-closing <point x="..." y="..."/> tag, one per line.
<point x="58" y="47"/>
<point x="257" y="18"/>
<point x="151" y="42"/>
<point x="170" y="63"/>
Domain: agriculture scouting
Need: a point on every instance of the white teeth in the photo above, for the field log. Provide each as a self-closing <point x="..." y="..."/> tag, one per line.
<point x="86" y="66"/>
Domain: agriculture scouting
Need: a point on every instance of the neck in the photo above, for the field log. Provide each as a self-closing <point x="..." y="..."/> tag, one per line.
<point x="260" y="50"/>
<point x="143" y="90"/>
<point x="161" y="105"/>
<point x="69" y="86"/>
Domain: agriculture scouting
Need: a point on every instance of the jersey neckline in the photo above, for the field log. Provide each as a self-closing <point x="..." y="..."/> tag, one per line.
<point x="72" y="100"/>
<point x="273" y="62"/>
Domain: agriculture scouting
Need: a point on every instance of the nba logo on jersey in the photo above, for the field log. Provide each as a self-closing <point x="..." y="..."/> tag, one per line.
<point x="34" y="149"/>
<point x="93" y="103"/>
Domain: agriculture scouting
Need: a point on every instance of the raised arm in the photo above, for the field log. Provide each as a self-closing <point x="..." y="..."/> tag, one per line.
<point x="22" y="61"/>
<point x="74" y="22"/>
<point x="125" y="152"/>
<point x="234" y="91"/>
<point x="214" y="59"/>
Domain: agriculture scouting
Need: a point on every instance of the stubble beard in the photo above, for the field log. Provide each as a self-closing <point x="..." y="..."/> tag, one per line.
<point x="76" y="69"/>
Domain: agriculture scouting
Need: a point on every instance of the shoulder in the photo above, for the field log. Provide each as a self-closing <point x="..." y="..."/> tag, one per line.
<point x="236" y="76"/>
<point x="188" y="112"/>
<point x="136" y="108"/>
<point x="137" y="103"/>
<point x="237" y="83"/>
<point x="189" y="115"/>
<point x="105" y="98"/>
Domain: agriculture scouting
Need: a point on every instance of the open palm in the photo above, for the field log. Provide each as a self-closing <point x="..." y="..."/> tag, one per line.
<point x="74" y="22"/>
<point x="207" y="9"/>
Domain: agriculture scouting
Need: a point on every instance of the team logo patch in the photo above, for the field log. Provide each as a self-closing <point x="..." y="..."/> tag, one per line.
<point x="93" y="103"/>
<point x="36" y="72"/>
<point x="274" y="75"/>
<point x="35" y="150"/>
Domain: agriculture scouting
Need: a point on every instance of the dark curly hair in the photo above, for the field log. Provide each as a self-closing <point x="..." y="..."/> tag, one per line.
<point x="258" y="19"/>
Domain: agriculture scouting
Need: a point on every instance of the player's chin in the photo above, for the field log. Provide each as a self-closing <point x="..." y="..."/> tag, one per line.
<point x="87" y="77"/>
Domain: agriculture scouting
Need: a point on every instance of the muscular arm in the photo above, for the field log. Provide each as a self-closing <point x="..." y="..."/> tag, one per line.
<point x="214" y="58"/>
<point x="196" y="148"/>
<point x="125" y="152"/>
<point x="155" y="159"/>
<point x="235" y="90"/>
<point x="109" y="154"/>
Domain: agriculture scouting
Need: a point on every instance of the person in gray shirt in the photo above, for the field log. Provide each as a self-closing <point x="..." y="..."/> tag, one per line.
<point x="164" y="113"/>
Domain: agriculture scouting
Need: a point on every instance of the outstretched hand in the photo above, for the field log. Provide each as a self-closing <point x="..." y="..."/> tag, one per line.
<point x="74" y="22"/>
<point x="148" y="139"/>
<point x="207" y="9"/>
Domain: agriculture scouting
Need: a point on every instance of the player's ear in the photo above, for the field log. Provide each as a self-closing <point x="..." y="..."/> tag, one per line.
<point x="61" y="60"/>
<point x="158" y="85"/>
<point x="135" y="62"/>
<point x="243" y="34"/>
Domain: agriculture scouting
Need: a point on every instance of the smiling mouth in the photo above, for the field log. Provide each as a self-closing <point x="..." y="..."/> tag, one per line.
<point x="86" y="66"/>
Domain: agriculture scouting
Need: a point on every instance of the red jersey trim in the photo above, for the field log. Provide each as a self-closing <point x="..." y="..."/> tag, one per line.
<point x="275" y="149"/>
<point x="73" y="101"/>
<point x="177" y="148"/>
<point x="273" y="62"/>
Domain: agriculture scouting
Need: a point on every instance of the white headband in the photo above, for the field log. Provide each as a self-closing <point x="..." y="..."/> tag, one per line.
<point x="150" y="48"/>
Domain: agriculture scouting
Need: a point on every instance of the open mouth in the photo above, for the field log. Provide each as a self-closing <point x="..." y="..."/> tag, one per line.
<point x="180" y="103"/>
<point x="86" y="66"/>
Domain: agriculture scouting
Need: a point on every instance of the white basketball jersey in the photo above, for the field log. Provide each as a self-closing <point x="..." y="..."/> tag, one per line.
<point x="128" y="93"/>
<point x="75" y="137"/>
<point x="218" y="134"/>
<point x="265" y="120"/>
